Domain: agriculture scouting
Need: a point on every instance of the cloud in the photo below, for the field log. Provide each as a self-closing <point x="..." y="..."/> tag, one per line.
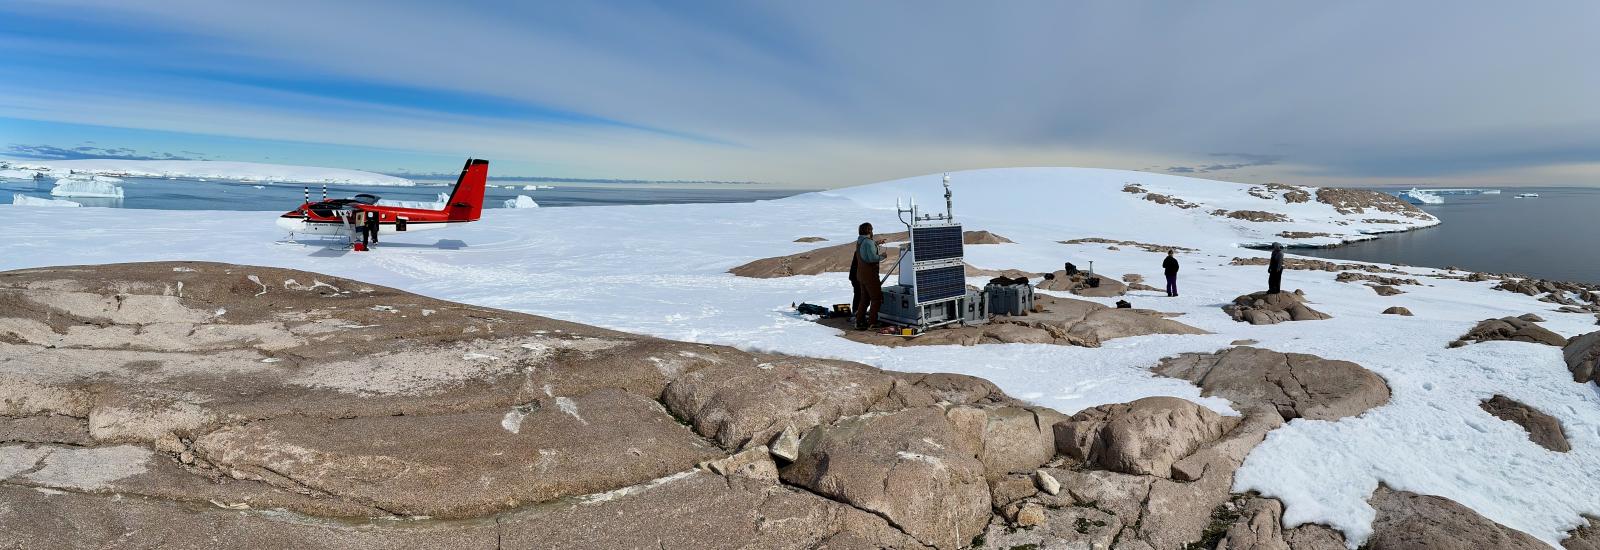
<point x="50" y="152"/>
<point x="1248" y="160"/>
<point x="769" y="91"/>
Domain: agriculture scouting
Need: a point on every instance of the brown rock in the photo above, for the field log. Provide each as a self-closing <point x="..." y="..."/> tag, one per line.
<point x="1386" y="290"/>
<point x="1260" y="527"/>
<point x="1409" y="520"/>
<point x="736" y="403"/>
<point x="1585" y="537"/>
<point x="1397" y="310"/>
<point x="1294" y="384"/>
<point x="1514" y="329"/>
<point x="1262" y="308"/>
<point x="1078" y="283"/>
<point x="1542" y="428"/>
<point x="1018" y="439"/>
<point x="903" y="466"/>
<point x="810" y="239"/>
<point x="414" y="465"/>
<point x="1581" y="355"/>
<point x="1144" y="437"/>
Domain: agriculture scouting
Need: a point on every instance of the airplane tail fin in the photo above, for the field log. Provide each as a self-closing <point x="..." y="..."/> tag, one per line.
<point x="466" y="200"/>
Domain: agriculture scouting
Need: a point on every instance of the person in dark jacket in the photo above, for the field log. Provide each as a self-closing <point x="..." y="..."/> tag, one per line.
<point x="372" y="226"/>
<point x="865" y="279"/>
<point x="1275" y="269"/>
<point x="1170" y="265"/>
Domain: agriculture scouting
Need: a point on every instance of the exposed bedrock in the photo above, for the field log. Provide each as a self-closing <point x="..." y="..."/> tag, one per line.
<point x="1263" y="308"/>
<point x="1514" y="329"/>
<point x="1542" y="428"/>
<point x="1582" y="353"/>
<point x="1295" y="385"/>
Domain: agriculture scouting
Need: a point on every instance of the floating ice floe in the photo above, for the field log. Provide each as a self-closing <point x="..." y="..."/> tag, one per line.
<point x="96" y="187"/>
<point x="19" y="199"/>
<point x="522" y="201"/>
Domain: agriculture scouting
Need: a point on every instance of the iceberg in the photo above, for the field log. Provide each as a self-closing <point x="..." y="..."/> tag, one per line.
<point x="96" y="187"/>
<point x="1418" y="196"/>
<point x="531" y="187"/>
<point x="19" y="199"/>
<point x="522" y="201"/>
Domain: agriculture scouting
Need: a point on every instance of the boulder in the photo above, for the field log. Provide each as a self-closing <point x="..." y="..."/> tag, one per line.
<point x="1408" y="520"/>
<point x="1397" y="310"/>
<point x="1017" y="439"/>
<point x="1386" y="290"/>
<point x="1039" y="526"/>
<point x="1542" y="428"/>
<point x="1296" y="385"/>
<point x="1259" y="526"/>
<point x="735" y="404"/>
<point x="1515" y="329"/>
<point x="908" y="467"/>
<point x="1144" y="437"/>
<point x="1582" y="353"/>
<point x="1262" y="308"/>
<point x="1078" y="283"/>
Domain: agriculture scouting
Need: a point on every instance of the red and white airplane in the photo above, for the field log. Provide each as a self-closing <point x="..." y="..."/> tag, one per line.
<point x="335" y="217"/>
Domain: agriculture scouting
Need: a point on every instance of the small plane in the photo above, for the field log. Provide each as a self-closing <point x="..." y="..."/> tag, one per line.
<point x="336" y="217"/>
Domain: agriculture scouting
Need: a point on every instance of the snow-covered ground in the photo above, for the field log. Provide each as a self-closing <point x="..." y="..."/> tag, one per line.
<point x="200" y="169"/>
<point x="662" y="270"/>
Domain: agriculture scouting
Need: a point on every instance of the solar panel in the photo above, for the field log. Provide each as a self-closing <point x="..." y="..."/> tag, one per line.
<point x="937" y="243"/>
<point x="940" y="283"/>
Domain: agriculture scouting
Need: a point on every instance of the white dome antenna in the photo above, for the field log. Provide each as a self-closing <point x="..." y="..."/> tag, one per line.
<point x="949" y="210"/>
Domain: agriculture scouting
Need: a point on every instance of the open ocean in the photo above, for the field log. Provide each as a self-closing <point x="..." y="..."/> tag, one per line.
<point x="1555" y="236"/>
<point x="164" y="194"/>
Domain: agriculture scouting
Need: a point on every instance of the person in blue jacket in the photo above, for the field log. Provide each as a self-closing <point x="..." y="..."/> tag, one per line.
<point x="864" y="273"/>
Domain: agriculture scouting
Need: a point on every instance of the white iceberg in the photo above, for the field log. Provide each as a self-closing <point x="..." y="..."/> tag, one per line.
<point x="19" y="199"/>
<point x="95" y="187"/>
<point x="522" y="201"/>
<point x="532" y="187"/>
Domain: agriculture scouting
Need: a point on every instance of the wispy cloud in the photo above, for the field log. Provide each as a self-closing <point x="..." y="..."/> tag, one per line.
<point x="1246" y="160"/>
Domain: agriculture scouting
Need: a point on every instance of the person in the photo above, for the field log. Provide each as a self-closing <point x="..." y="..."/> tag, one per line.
<point x="867" y="258"/>
<point x="358" y="221"/>
<point x="372" y="226"/>
<point x="858" y="297"/>
<point x="1170" y="265"/>
<point x="1275" y="269"/>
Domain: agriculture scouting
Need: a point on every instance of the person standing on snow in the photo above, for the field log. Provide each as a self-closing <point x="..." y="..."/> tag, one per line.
<point x="865" y="279"/>
<point x="372" y="226"/>
<point x="1170" y="265"/>
<point x="1275" y="269"/>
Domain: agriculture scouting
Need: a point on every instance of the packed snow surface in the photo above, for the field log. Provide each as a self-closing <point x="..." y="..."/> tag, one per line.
<point x="19" y="199"/>
<point x="662" y="270"/>
<point x="87" y="188"/>
<point x="208" y="169"/>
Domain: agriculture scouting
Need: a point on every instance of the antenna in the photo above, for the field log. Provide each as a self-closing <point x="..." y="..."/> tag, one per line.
<point x="949" y="211"/>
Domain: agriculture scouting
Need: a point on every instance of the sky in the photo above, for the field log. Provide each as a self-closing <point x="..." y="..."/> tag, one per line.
<point x="818" y="94"/>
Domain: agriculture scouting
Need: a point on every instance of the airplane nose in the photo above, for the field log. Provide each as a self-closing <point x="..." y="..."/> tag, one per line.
<point x="291" y="224"/>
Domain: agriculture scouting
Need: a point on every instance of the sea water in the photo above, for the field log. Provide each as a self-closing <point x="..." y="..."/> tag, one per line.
<point x="1554" y="236"/>
<point x="182" y="194"/>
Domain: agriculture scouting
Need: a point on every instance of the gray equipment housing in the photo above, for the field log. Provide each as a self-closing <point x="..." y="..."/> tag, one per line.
<point x="1013" y="299"/>
<point x="901" y="308"/>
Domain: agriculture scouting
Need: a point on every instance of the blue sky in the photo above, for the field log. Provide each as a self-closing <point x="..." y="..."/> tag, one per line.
<point x="818" y="94"/>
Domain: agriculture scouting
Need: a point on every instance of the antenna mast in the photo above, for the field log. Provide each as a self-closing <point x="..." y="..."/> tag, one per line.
<point x="949" y="211"/>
